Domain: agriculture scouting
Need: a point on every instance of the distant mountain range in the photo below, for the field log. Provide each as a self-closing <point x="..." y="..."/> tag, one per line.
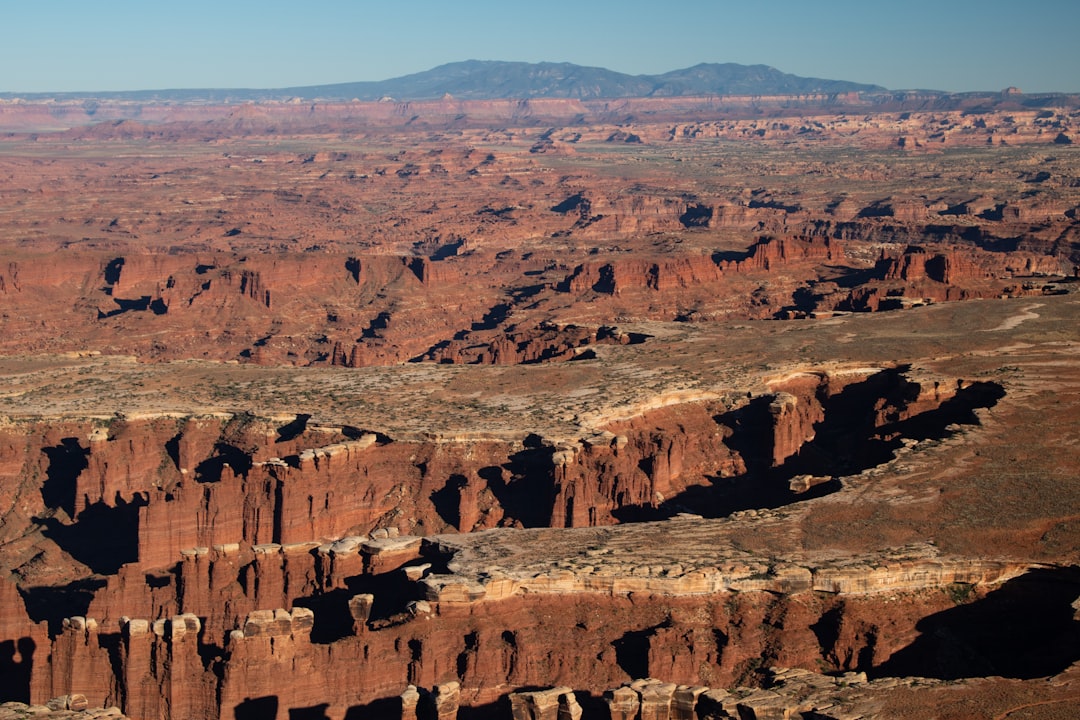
<point x="486" y="80"/>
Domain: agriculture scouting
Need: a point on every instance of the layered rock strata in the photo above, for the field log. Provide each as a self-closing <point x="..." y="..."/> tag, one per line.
<point x="167" y="486"/>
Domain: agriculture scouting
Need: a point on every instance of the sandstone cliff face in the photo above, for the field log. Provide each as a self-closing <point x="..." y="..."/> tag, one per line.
<point x="615" y="277"/>
<point x="24" y="648"/>
<point x="918" y="275"/>
<point x="252" y="556"/>
<point x="162" y="485"/>
<point x="724" y="458"/>
<point x="948" y="268"/>
<point x="769" y="253"/>
<point x="177" y="664"/>
<point x="356" y="311"/>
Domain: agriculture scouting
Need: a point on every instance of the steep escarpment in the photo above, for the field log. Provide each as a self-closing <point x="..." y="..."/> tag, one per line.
<point x="757" y="452"/>
<point x="474" y="308"/>
<point x="512" y="626"/>
<point x="126" y="119"/>
<point x="361" y="310"/>
<point x="161" y="484"/>
<point x="186" y="534"/>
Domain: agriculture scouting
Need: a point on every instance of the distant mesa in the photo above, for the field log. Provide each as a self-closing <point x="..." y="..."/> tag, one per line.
<point x="490" y="79"/>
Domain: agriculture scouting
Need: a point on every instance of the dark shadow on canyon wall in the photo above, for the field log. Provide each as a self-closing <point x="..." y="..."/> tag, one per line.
<point x="381" y="708"/>
<point x="858" y="433"/>
<point x="1025" y="629"/>
<point x="572" y="203"/>
<point x="112" y="270"/>
<point x="523" y="486"/>
<point x="15" y="674"/>
<point x="447" y="501"/>
<point x="292" y="430"/>
<point x="632" y="651"/>
<point x="957" y="410"/>
<point x="66" y="461"/>
<point x="140" y="304"/>
<point x="495" y="710"/>
<point x="333" y="620"/>
<point x="848" y="441"/>
<point x="103" y="537"/>
<point x="425" y="710"/>
<point x="210" y="470"/>
<point x="696" y="215"/>
<point x="53" y="604"/>
<point x="313" y="712"/>
<point x="257" y="709"/>
<point x="856" y="656"/>
<point x="593" y="706"/>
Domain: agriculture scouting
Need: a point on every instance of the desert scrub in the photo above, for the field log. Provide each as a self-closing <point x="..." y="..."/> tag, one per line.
<point x="960" y="593"/>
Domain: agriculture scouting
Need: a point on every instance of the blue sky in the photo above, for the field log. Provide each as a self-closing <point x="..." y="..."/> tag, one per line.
<point x="66" y="45"/>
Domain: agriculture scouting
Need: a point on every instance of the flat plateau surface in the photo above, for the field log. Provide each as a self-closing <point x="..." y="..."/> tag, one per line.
<point x="681" y="362"/>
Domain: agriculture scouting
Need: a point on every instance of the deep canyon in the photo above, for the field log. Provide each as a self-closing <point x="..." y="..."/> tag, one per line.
<point x="502" y="410"/>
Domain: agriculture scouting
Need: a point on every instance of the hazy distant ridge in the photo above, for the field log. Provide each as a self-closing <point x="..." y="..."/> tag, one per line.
<point x="482" y="80"/>
<point x="488" y="79"/>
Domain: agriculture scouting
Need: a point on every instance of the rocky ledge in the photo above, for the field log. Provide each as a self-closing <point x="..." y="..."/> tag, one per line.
<point x="789" y="694"/>
<point x="683" y="556"/>
<point x="65" y="707"/>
